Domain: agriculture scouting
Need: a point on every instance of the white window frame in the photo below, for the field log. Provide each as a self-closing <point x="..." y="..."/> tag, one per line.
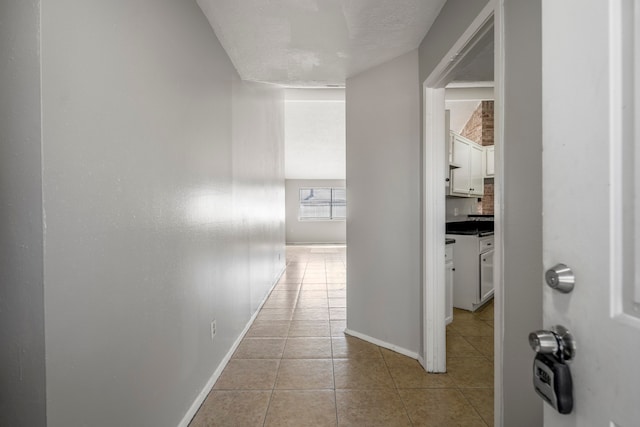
<point x="331" y="216"/>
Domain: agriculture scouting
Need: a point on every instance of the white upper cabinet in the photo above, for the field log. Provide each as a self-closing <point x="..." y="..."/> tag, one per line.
<point x="467" y="176"/>
<point x="476" y="170"/>
<point x="489" y="170"/>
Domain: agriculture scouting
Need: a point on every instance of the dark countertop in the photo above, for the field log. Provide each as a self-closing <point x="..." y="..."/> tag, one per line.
<point x="470" y="228"/>
<point x="448" y="241"/>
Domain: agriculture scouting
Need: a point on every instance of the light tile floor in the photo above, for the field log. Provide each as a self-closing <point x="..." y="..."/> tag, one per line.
<point x="296" y="367"/>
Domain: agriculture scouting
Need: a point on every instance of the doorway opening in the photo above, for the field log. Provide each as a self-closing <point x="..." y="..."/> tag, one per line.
<point x="468" y="81"/>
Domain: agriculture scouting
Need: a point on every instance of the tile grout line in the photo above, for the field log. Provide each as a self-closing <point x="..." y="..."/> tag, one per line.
<point x="473" y="407"/>
<point x="333" y="366"/>
<point x="461" y="389"/>
<point x="395" y="384"/>
<point x="279" y="365"/>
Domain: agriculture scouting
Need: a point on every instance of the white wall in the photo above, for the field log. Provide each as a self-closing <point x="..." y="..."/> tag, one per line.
<point x="383" y="193"/>
<point x="521" y="206"/>
<point x="163" y="186"/>
<point x="22" y="362"/>
<point x="299" y="232"/>
<point x="463" y="206"/>
<point x="459" y="113"/>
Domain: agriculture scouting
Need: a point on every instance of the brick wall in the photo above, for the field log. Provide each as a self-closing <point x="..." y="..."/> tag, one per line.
<point x="479" y="128"/>
<point x="487" y="122"/>
<point x="487" y="199"/>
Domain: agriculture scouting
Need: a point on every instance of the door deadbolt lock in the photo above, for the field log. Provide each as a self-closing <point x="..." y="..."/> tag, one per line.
<point x="561" y="278"/>
<point x="551" y="374"/>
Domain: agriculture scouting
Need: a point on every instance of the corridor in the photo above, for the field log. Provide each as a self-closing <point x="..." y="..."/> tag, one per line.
<point x="296" y="367"/>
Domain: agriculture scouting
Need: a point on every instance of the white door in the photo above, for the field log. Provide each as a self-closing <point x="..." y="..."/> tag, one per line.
<point x="591" y="150"/>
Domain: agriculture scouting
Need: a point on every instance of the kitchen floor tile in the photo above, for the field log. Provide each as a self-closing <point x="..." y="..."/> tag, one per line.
<point x="232" y="408"/>
<point x="297" y="367"/>
<point x="305" y="374"/>
<point x="337" y="302"/>
<point x="285" y="286"/>
<point x="462" y="315"/>
<point x="309" y="328"/>
<point x="269" y="328"/>
<point x="458" y="346"/>
<point x="279" y="304"/>
<point x="302" y="408"/>
<point x="340" y="293"/>
<point x="393" y="358"/>
<point x="486" y="312"/>
<point x="354" y="348"/>
<point x="440" y="408"/>
<point x="275" y="314"/>
<point x="482" y="400"/>
<point x="311" y="294"/>
<point x="337" y="328"/>
<point x="260" y="348"/>
<point x="470" y="372"/>
<point x="371" y="408"/>
<point x="313" y="303"/>
<point x="483" y="344"/>
<point x="313" y="313"/>
<point x="337" y="314"/>
<point x="414" y="376"/>
<point x="283" y="294"/>
<point x="362" y="374"/>
<point x="472" y="328"/>
<point x="313" y="280"/>
<point x="307" y="348"/>
<point x="248" y="374"/>
<point x="313" y="287"/>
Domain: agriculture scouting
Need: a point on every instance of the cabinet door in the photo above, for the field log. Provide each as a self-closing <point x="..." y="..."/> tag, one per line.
<point x="448" y="280"/>
<point x="476" y="177"/>
<point x="490" y="161"/>
<point x="447" y="146"/>
<point x="460" y="183"/>
<point x="486" y="275"/>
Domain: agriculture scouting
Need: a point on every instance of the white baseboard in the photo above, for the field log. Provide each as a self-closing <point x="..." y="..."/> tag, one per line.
<point x="329" y="244"/>
<point x="392" y="347"/>
<point x="216" y="374"/>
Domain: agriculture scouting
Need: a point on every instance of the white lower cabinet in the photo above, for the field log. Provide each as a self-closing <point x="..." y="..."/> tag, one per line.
<point x="448" y="280"/>
<point x="473" y="278"/>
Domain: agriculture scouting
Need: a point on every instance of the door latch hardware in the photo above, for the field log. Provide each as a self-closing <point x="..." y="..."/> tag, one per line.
<point x="561" y="278"/>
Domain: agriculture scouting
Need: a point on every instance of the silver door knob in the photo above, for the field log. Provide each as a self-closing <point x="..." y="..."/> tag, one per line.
<point x="544" y="342"/>
<point x="558" y="341"/>
<point x="561" y="278"/>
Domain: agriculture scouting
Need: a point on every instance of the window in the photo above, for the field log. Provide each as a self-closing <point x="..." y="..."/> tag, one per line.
<point x="323" y="204"/>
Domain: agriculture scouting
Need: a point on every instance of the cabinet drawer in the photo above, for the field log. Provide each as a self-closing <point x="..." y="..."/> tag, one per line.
<point x="486" y="244"/>
<point x="448" y="253"/>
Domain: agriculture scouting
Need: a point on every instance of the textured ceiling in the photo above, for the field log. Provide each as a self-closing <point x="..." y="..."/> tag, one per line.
<point x="316" y="43"/>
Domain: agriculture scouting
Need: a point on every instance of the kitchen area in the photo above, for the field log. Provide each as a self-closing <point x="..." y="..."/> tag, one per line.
<point x="469" y="206"/>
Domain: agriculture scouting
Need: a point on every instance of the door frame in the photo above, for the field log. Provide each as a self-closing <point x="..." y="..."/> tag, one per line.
<point x="434" y="327"/>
